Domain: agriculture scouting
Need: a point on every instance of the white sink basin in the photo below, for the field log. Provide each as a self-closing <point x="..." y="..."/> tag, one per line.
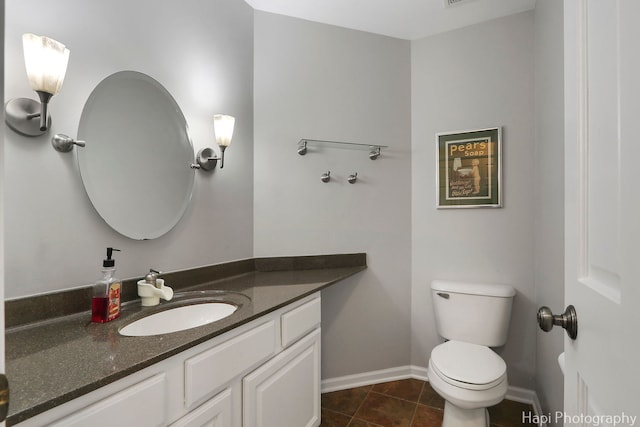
<point x="178" y="319"/>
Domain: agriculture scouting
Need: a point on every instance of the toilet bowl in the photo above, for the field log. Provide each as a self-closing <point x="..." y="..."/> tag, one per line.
<point x="464" y="370"/>
<point x="470" y="378"/>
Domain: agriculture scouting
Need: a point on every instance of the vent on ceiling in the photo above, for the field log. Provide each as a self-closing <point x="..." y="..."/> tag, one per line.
<point x="451" y="3"/>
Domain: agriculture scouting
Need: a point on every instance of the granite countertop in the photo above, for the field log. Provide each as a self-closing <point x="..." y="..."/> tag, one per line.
<point x="53" y="360"/>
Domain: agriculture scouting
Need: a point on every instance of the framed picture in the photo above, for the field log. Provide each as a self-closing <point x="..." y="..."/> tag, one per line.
<point x="469" y="168"/>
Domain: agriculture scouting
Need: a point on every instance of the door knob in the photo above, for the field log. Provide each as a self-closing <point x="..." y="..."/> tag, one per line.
<point x="568" y="320"/>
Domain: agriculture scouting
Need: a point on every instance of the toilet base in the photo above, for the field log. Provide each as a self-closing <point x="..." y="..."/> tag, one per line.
<point x="459" y="417"/>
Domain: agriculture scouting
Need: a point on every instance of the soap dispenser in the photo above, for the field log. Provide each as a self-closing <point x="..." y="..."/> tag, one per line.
<point x="105" y="305"/>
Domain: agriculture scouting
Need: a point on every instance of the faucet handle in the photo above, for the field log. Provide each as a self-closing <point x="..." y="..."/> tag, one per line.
<point x="152" y="277"/>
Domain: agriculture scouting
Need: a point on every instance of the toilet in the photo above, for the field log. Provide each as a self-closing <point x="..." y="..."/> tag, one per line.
<point x="472" y="317"/>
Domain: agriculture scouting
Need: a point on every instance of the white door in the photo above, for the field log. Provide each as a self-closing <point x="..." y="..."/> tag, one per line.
<point x="2" y="197"/>
<point x="602" y="210"/>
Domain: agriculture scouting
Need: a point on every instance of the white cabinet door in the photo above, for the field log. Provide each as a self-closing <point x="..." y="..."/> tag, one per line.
<point x="602" y="105"/>
<point x="286" y="390"/>
<point x="214" y="413"/>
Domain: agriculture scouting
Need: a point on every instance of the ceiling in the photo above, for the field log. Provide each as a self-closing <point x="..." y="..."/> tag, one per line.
<point x="405" y="19"/>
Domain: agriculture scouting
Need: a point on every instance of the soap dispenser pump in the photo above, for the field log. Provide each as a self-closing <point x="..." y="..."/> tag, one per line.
<point x="105" y="305"/>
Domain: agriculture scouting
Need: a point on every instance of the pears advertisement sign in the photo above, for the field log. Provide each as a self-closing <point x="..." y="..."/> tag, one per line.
<point x="469" y="168"/>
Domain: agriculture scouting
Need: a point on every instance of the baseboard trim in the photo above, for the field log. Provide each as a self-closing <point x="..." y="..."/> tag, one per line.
<point x="368" y="378"/>
<point x="516" y="394"/>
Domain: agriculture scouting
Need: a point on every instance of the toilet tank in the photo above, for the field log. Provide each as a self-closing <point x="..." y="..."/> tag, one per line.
<point x="477" y="313"/>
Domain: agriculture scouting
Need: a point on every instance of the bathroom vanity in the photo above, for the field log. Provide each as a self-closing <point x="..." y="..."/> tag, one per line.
<point x="258" y="367"/>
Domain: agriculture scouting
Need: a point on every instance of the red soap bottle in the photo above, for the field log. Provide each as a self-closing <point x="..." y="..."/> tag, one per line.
<point x="105" y="304"/>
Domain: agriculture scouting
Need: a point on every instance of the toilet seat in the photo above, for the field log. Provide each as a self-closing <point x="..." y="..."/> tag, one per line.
<point x="468" y="366"/>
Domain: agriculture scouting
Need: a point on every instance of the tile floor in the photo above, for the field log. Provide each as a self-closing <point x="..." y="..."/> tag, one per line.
<point x="403" y="403"/>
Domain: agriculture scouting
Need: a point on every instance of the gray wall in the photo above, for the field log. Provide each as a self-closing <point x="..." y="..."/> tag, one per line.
<point x="476" y="77"/>
<point x="202" y="52"/>
<point x="318" y="81"/>
<point x="549" y="196"/>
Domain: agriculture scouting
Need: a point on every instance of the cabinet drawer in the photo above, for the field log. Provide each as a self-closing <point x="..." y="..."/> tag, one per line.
<point x="299" y="321"/>
<point x="124" y="406"/>
<point x="214" y="413"/>
<point x="211" y="370"/>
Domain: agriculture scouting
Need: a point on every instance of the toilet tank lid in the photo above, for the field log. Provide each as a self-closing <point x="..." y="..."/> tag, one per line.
<point x="488" y="289"/>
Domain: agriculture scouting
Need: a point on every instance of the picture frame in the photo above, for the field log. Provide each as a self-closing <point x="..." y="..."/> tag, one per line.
<point x="469" y="169"/>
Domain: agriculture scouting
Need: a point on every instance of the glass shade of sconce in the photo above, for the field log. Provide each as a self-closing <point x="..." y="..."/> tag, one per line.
<point x="46" y="65"/>
<point x="223" y="127"/>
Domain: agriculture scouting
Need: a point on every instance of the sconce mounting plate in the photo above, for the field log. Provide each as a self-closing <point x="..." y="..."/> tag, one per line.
<point x="17" y="116"/>
<point x="206" y="159"/>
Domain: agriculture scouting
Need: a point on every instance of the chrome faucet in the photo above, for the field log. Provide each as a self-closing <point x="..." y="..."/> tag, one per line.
<point x="152" y="278"/>
<point x="152" y="288"/>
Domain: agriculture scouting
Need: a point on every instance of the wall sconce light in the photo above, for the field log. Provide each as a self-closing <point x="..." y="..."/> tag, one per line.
<point x="46" y="64"/>
<point x="223" y="128"/>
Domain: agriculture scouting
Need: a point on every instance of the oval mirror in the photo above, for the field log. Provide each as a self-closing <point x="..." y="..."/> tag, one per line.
<point x="136" y="164"/>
